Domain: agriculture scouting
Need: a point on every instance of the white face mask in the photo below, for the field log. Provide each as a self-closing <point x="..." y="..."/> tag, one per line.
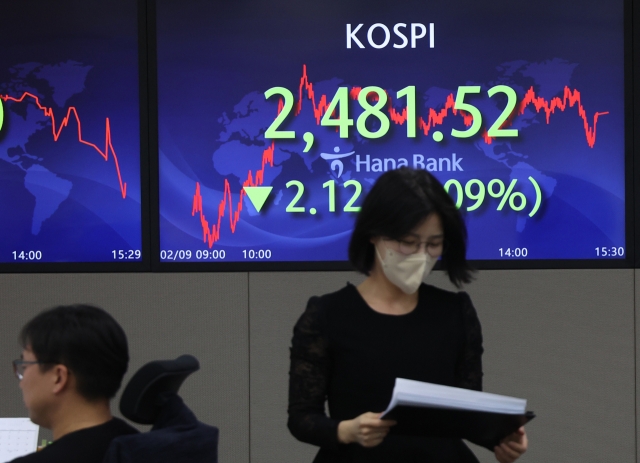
<point x="406" y="272"/>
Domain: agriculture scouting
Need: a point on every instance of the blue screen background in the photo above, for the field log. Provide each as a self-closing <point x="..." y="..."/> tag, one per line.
<point x="62" y="198"/>
<point x="216" y="60"/>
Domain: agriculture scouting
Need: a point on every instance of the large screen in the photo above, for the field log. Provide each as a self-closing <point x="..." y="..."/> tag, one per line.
<point x="275" y="118"/>
<point x="70" y="132"/>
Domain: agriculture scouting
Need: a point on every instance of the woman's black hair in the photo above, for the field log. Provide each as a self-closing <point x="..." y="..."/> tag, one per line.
<point x="87" y="340"/>
<point x="398" y="202"/>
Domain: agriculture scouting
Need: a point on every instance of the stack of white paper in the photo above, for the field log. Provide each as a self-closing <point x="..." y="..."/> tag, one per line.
<point x="18" y="437"/>
<point x="419" y="394"/>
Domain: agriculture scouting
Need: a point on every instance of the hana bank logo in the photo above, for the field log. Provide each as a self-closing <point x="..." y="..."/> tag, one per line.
<point x="335" y="160"/>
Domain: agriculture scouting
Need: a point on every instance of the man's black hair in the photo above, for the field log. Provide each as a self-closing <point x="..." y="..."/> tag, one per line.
<point x="398" y="202"/>
<point x="87" y="340"/>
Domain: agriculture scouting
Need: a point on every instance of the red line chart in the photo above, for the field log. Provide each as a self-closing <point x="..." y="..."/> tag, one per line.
<point x="434" y="117"/>
<point x="211" y="233"/>
<point x="57" y="130"/>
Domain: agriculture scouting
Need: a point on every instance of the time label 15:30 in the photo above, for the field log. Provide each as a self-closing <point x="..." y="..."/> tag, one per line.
<point x="610" y="251"/>
<point x="373" y="100"/>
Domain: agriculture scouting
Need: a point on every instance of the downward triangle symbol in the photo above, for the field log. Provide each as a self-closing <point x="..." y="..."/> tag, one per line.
<point x="258" y="195"/>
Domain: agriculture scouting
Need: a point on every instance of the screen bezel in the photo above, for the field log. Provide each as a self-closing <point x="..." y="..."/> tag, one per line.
<point x="149" y="170"/>
<point x="145" y="263"/>
<point x="632" y="192"/>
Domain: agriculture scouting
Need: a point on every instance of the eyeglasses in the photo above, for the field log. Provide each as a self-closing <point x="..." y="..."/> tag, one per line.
<point x="408" y="247"/>
<point x="19" y="366"/>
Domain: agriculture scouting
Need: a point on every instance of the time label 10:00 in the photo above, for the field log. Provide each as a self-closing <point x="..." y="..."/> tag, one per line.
<point x="337" y="113"/>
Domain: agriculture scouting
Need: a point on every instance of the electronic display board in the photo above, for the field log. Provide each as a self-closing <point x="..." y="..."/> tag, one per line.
<point x="275" y="118"/>
<point x="70" y="175"/>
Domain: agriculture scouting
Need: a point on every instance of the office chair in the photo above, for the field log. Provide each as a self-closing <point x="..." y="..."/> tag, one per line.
<point x="151" y="397"/>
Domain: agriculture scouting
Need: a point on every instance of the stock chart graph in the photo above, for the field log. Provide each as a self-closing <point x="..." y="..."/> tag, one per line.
<point x="273" y="130"/>
<point x="570" y="99"/>
<point x="70" y="143"/>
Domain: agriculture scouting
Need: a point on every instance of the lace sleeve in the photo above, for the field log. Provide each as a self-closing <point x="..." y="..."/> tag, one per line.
<point x="308" y="379"/>
<point x="469" y="367"/>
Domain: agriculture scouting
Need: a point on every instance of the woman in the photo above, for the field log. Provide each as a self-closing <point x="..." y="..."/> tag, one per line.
<point x="349" y="346"/>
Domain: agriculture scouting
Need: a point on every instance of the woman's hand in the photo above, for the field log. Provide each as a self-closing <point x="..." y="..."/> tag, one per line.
<point x="511" y="447"/>
<point x="367" y="429"/>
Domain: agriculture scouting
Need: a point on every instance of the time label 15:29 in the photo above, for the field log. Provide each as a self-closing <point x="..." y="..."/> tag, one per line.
<point x="126" y="254"/>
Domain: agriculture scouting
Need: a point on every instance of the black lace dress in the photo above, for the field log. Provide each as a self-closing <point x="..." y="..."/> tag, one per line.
<point x="348" y="355"/>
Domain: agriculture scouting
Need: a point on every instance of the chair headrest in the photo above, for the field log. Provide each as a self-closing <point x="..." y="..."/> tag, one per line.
<point x="139" y="401"/>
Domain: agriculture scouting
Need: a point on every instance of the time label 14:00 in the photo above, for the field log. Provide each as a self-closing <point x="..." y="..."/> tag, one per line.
<point x="27" y="255"/>
<point x="373" y="100"/>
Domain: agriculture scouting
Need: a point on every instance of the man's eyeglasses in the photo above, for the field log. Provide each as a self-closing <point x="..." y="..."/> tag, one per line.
<point x="20" y="365"/>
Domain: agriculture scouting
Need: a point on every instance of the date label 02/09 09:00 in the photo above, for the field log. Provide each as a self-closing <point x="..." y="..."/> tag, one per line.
<point x="188" y="254"/>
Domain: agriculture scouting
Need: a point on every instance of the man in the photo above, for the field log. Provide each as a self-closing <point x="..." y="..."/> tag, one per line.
<point x="73" y="361"/>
